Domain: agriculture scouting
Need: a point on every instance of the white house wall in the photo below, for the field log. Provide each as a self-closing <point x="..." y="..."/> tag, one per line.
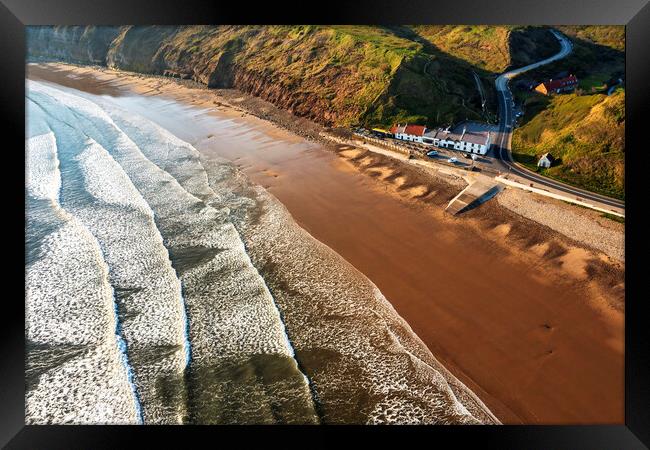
<point x="464" y="146"/>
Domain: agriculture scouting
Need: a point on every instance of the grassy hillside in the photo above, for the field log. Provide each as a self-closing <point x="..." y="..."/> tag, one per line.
<point x="372" y="75"/>
<point x="530" y="44"/>
<point x="612" y="36"/>
<point x="586" y="129"/>
<point x="598" y="56"/>
<point x="491" y="48"/>
<point x="449" y="57"/>
<point x="337" y="75"/>
<point x="586" y="132"/>
<point x="486" y="47"/>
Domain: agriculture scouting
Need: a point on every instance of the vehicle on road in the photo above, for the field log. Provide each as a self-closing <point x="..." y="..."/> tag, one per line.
<point x="432" y="153"/>
<point x="452" y="160"/>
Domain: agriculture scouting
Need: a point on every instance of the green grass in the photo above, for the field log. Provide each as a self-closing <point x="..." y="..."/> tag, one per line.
<point x="554" y="113"/>
<point x="586" y="133"/>
<point x="597" y="56"/>
<point x="594" y="82"/>
<point x="613" y="217"/>
<point x="485" y="47"/>
<point x="375" y="76"/>
<point x="612" y="36"/>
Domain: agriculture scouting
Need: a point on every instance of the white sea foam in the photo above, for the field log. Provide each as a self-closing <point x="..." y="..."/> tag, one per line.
<point x="42" y="167"/>
<point x="100" y="194"/>
<point x="371" y="368"/>
<point x="232" y="315"/>
<point x="72" y="350"/>
<point x="181" y="160"/>
<point x="392" y="369"/>
<point x="363" y="361"/>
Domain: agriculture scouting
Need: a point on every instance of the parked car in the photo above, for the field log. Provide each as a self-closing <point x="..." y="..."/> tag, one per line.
<point x="452" y="160"/>
<point x="432" y="153"/>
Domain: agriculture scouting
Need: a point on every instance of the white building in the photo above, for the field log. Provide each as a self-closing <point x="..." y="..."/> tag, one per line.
<point x="413" y="133"/>
<point x="477" y="142"/>
<point x="546" y="160"/>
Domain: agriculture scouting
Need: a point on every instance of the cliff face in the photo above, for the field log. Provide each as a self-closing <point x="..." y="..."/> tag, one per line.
<point x="78" y="44"/>
<point x="336" y="75"/>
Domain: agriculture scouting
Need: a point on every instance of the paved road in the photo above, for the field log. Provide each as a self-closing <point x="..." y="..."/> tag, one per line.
<point x="502" y="150"/>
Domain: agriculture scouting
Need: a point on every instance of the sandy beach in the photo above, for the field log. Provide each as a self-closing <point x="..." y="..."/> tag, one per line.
<point x="530" y="319"/>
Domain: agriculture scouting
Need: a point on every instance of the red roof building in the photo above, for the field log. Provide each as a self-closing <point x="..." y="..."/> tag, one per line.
<point x="415" y="130"/>
<point x="556" y="86"/>
<point x="408" y="130"/>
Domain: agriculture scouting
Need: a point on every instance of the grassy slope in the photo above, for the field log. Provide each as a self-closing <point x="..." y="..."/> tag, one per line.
<point x="485" y="47"/>
<point x="450" y="54"/>
<point x="491" y="48"/>
<point x="343" y="75"/>
<point x="598" y="55"/>
<point x="612" y="36"/>
<point x="367" y="74"/>
<point x="345" y="68"/>
<point x="356" y="74"/>
<point x="339" y="75"/>
<point x="431" y="87"/>
<point x="586" y="130"/>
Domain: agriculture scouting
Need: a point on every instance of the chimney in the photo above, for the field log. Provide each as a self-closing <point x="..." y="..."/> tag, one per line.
<point x="464" y="130"/>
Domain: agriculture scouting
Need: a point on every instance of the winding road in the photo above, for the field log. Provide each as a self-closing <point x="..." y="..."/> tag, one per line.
<point x="502" y="146"/>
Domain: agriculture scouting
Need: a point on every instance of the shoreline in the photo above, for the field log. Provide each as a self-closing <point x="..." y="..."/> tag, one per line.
<point x="231" y="102"/>
<point x="418" y="195"/>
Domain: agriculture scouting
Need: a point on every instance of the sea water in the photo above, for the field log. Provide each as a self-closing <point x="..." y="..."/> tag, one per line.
<point x="225" y="311"/>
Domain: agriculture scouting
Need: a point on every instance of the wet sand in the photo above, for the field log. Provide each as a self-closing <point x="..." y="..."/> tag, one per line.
<point x="532" y="323"/>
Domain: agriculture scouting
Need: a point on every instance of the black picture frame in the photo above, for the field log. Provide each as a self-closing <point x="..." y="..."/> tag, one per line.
<point x="635" y="14"/>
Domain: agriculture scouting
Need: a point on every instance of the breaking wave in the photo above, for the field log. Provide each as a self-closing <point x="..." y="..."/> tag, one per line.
<point x="77" y="370"/>
<point x="229" y="312"/>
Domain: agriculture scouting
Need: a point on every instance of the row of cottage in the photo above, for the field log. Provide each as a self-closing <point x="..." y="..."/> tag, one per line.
<point x="472" y="142"/>
<point x="468" y="141"/>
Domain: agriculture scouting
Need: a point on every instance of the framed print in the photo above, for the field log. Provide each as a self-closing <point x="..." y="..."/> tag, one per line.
<point x="416" y="216"/>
